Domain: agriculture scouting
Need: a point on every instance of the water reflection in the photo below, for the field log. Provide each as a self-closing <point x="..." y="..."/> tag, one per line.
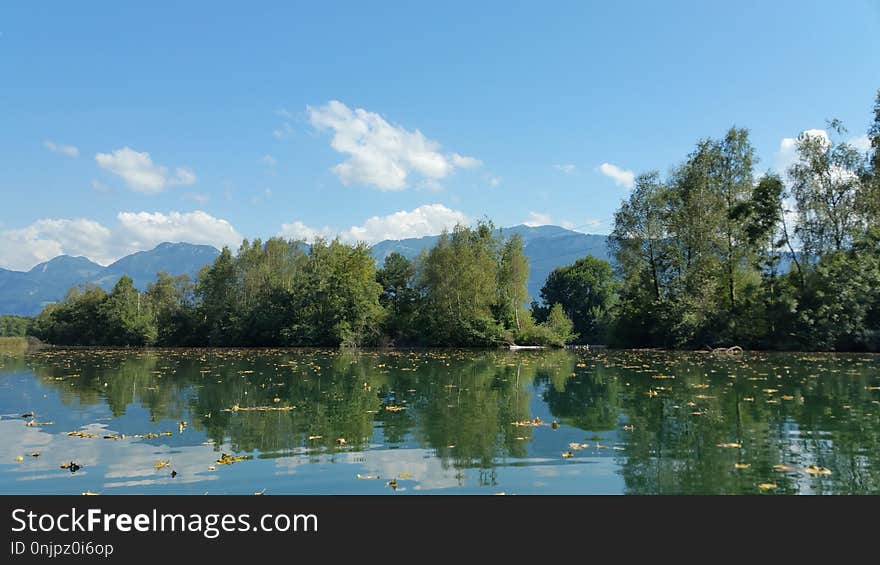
<point x="314" y="420"/>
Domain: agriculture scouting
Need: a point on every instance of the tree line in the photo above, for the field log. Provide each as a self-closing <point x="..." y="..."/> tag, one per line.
<point x="716" y="253"/>
<point x="468" y="290"/>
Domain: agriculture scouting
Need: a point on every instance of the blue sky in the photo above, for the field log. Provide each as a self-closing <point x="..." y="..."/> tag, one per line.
<point x="126" y="124"/>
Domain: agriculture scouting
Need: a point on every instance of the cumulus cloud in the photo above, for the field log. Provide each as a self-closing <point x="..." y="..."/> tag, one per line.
<point x="382" y="154"/>
<point x="140" y="173"/>
<point x="69" y="150"/>
<point x="21" y="249"/>
<point x="568" y="169"/>
<point x="538" y="219"/>
<point x="145" y="230"/>
<point x="621" y="177"/>
<point x="429" y="219"/>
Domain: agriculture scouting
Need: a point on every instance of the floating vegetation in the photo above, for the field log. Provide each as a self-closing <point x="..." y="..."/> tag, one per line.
<point x="530" y="423"/>
<point x="87" y="435"/>
<point x="237" y="408"/>
<point x="226" y="459"/>
<point x="731" y="445"/>
<point x="816" y="470"/>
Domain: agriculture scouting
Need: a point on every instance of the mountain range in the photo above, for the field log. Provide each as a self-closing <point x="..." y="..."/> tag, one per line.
<point x="25" y="293"/>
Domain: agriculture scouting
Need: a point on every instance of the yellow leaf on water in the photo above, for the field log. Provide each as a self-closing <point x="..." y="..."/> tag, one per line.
<point x="226" y="459"/>
<point x="162" y="464"/>
<point x="741" y="465"/>
<point x="20" y="458"/>
<point x="567" y="454"/>
<point x="767" y="486"/>
<point x="731" y="445"/>
<point x="404" y="476"/>
<point x="783" y="468"/>
<point x="816" y="470"/>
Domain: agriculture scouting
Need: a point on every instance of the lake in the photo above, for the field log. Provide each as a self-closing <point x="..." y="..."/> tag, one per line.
<point x="246" y="421"/>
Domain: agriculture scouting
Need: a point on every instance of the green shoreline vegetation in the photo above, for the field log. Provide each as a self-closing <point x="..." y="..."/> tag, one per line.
<point x="715" y="254"/>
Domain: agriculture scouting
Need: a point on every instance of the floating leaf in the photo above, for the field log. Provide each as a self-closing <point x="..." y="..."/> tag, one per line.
<point x="567" y="454"/>
<point x="741" y="465"/>
<point x="767" y="486"/>
<point x="226" y="459"/>
<point x="162" y="464"/>
<point x="19" y="459"/>
<point x="816" y="470"/>
<point x="731" y="445"/>
<point x="395" y="408"/>
<point x="783" y="468"/>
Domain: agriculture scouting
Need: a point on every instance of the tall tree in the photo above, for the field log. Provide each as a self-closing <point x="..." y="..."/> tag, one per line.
<point x="586" y="290"/>
<point x="826" y="184"/>
<point x="513" y="278"/>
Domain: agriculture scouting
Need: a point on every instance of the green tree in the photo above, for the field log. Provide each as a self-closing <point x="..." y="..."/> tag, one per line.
<point x="399" y="297"/>
<point x="826" y="185"/>
<point x="459" y="281"/>
<point x="128" y="316"/>
<point x="586" y="292"/>
<point x="513" y="278"/>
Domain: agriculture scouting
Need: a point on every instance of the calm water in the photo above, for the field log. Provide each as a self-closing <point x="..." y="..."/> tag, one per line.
<point x="309" y="421"/>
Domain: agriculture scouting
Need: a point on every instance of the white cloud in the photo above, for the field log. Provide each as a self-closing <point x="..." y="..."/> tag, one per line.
<point x="538" y="219"/>
<point x="269" y="160"/>
<point x="463" y="162"/>
<point x="430" y="219"/>
<point x="21" y="249"/>
<point x="69" y="150"/>
<point x="145" y="230"/>
<point x="494" y="181"/>
<point x="140" y="173"/>
<point x="568" y="169"/>
<point x="621" y="177"/>
<point x="379" y="153"/>
<point x="300" y="231"/>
